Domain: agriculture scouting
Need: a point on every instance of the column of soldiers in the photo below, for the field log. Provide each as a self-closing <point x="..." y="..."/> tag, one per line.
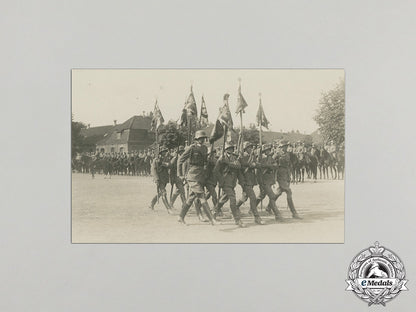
<point x="199" y="170"/>
<point x="132" y="163"/>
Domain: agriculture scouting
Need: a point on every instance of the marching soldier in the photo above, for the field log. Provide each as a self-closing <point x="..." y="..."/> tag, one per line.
<point x="248" y="180"/>
<point x="283" y="178"/>
<point x="175" y="179"/>
<point x="160" y="172"/>
<point x="197" y="154"/>
<point x="266" y="179"/>
<point x="228" y="169"/>
<point x="211" y="180"/>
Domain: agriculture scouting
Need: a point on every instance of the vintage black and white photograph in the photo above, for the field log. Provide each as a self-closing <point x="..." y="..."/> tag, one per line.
<point x="208" y="155"/>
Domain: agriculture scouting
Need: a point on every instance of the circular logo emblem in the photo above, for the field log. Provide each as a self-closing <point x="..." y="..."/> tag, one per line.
<point x="376" y="275"/>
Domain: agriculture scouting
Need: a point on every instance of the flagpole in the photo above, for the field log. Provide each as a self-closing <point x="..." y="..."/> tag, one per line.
<point x="225" y="137"/>
<point x="241" y="132"/>
<point x="189" y="128"/>
<point x="261" y="143"/>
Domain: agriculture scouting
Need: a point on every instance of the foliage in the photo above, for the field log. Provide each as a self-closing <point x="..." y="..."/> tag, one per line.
<point x="171" y="136"/>
<point x="331" y="114"/>
<point x="252" y="134"/>
<point x="76" y="137"/>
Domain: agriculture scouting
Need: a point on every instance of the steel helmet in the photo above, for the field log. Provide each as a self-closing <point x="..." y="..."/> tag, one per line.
<point x="200" y="134"/>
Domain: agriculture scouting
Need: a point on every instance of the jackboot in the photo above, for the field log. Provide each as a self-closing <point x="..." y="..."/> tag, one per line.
<point x="276" y="212"/>
<point x="255" y="212"/>
<point x="173" y="199"/>
<point x="292" y="208"/>
<point x="209" y="214"/>
<point x="184" y="210"/>
<point x="199" y="211"/>
<point x="183" y="198"/>
<point x="166" y="203"/>
<point x="153" y="203"/>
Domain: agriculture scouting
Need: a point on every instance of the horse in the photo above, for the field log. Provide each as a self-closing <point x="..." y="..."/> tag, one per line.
<point x="340" y="157"/>
<point x="294" y="166"/>
<point x="301" y="166"/>
<point x="323" y="163"/>
<point x="313" y="163"/>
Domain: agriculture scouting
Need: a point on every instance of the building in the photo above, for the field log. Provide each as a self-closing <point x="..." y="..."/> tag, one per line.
<point x="132" y="135"/>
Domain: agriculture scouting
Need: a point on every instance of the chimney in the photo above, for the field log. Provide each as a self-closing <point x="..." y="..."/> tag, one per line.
<point x="144" y="113"/>
<point x="89" y="125"/>
<point x="115" y="122"/>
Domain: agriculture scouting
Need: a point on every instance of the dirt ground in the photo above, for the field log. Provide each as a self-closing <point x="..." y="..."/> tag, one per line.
<point x="116" y="211"/>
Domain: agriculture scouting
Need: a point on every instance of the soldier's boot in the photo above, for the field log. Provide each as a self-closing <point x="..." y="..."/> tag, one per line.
<point x="183" y="198"/>
<point x="257" y="218"/>
<point x="166" y="203"/>
<point x="153" y="203"/>
<point x="217" y="210"/>
<point x="209" y="214"/>
<point x="239" y="203"/>
<point x="276" y="212"/>
<point x="184" y="211"/>
<point x="199" y="211"/>
<point x="173" y="199"/>
<point x="237" y="216"/>
<point x="269" y="208"/>
<point x="292" y="208"/>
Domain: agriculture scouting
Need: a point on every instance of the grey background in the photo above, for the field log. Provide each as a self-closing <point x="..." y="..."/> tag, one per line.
<point x="41" y="41"/>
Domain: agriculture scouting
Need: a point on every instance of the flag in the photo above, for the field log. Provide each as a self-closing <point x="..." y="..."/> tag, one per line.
<point x="225" y="114"/>
<point x="203" y="117"/>
<point x="261" y="117"/>
<point x="217" y="132"/>
<point x="241" y="102"/>
<point x="157" y="119"/>
<point x="190" y="105"/>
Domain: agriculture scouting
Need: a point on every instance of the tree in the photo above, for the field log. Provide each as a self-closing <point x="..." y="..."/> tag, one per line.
<point x="331" y="114"/>
<point x="76" y="137"/>
<point x="171" y="136"/>
<point x="252" y="134"/>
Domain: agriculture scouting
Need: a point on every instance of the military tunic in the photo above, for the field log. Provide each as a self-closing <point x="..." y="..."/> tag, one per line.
<point x="248" y="180"/>
<point x="176" y="180"/>
<point x="196" y="154"/>
<point x="228" y="171"/>
<point x="283" y="179"/>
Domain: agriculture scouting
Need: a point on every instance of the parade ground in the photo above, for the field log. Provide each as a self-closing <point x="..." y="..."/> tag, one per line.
<point x="116" y="211"/>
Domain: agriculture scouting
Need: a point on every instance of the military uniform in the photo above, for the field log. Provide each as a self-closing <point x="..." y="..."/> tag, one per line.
<point x="197" y="155"/>
<point x="211" y="180"/>
<point x="160" y="172"/>
<point x="175" y="179"/>
<point x="266" y="178"/>
<point x="283" y="179"/>
<point x="228" y="171"/>
<point x="247" y="182"/>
